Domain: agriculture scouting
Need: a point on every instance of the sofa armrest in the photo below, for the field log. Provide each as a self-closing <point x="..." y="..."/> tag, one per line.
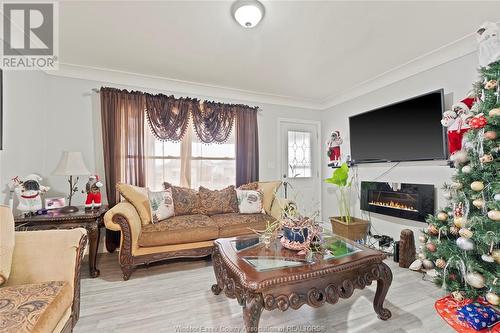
<point x="278" y="205"/>
<point x="124" y="217"/>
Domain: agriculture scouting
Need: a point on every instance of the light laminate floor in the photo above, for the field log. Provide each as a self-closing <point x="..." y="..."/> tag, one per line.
<point x="175" y="297"/>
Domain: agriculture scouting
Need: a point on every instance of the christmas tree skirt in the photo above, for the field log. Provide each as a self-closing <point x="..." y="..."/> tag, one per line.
<point x="447" y="308"/>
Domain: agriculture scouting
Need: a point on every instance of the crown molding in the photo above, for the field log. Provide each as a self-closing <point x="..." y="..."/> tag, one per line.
<point x="447" y="53"/>
<point x="105" y="76"/>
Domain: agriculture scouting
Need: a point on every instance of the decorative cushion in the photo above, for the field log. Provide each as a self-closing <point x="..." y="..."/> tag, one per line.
<point x="218" y="201"/>
<point x="269" y="190"/>
<point x="34" y="307"/>
<point x="478" y="316"/>
<point x="162" y="205"/>
<point x="7" y="238"/>
<point x="249" y="201"/>
<point x="179" y="230"/>
<point x="186" y="200"/>
<point x="138" y="197"/>
<point x="235" y="224"/>
<point x="250" y="186"/>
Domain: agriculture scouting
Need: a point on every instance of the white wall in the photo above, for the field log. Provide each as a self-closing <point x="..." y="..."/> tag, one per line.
<point x="456" y="78"/>
<point x="46" y="114"/>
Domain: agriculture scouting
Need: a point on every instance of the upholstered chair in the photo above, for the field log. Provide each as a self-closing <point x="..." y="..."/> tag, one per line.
<point x="40" y="291"/>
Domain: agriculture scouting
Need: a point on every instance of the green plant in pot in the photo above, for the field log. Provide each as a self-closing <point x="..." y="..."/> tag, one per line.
<point x="345" y="225"/>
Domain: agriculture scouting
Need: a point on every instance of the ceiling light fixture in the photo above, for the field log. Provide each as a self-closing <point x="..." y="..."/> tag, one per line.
<point x="248" y="13"/>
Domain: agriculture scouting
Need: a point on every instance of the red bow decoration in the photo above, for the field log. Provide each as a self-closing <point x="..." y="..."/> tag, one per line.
<point x="478" y="121"/>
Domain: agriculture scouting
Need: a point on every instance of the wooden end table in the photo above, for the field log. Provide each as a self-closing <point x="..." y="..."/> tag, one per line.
<point x="92" y="220"/>
<point x="277" y="278"/>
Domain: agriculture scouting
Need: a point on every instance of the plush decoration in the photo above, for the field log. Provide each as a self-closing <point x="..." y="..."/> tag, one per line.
<point x="93" y="190"/>
<point x="456" y="122"/>
<point x="489" y="43"/>
<point x="478" y="316"/>
<point x="29" y="191"/>
<point x="333" y="146"/>
<point x="249" y="202"/>
<point x="491" y="84"/>
<point x="161" y="204"/>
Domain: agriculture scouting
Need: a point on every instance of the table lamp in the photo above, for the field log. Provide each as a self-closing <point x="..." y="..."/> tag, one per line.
<point x="71" y="164"/>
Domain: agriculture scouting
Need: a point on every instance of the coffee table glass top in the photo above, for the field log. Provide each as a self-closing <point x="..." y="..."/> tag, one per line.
<point x="260" y="258"/>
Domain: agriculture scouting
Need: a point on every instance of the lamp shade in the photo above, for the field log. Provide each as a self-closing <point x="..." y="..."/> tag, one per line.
<point x="71" y="164"/>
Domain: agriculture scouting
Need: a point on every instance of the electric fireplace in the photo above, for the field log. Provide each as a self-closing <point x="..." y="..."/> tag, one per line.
<point x="408" y="201"/>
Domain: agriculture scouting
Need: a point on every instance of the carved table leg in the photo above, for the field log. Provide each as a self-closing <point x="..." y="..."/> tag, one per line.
<point x="252" y="308"/>
<point x="217" y="264"/>
<point x="383" y="283"/>
<point x="94" y="235"/>
<point x="112" y="240"/>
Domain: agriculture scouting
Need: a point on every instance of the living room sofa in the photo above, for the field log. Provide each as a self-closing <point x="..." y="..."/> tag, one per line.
<point x="181" y="236"/>
<point x="40" y="271"/>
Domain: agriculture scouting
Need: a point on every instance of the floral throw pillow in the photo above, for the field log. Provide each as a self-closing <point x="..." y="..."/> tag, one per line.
<point x="162" y="205"/>
<point x="250" y="201"/>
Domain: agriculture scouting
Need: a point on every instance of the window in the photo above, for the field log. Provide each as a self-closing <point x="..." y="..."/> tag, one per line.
<point x="190" y="163"/>
<point x="299" y="154"/>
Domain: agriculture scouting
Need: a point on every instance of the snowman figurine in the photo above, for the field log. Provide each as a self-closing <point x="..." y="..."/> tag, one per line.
<point x="93" y="190"/>
<point x="29" y="191"/>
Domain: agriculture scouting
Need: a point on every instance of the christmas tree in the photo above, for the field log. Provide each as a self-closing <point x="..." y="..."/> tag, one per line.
<point x="462" y="240"/>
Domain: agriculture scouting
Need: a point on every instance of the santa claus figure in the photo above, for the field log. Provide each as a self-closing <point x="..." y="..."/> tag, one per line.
<point x="333" y="145"/>
<point x="93" y="190"/>
<point x="28" y="191"/>
<point x="456" y="120"/>
<point x="488" y="38"/>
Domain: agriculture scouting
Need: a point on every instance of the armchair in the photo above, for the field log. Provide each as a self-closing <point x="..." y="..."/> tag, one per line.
<point x="45" y="271"/>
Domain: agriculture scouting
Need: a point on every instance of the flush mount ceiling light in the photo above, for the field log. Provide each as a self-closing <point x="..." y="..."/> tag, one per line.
<point x="248" y="13"/>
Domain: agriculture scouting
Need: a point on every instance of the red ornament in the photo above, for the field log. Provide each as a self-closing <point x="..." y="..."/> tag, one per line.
<point x="452" y="276"/>
<point x="478" y="121"/>
<point x="431" y="247"/>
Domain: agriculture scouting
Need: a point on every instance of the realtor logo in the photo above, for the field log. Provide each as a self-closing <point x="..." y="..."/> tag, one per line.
<point x="29" y="36"/>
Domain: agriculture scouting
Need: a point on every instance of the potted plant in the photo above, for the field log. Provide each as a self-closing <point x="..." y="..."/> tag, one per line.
<point x="345" y="225"/>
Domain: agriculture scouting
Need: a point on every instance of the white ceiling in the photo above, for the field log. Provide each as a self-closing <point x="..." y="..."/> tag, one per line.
<point x="308" y="50"/>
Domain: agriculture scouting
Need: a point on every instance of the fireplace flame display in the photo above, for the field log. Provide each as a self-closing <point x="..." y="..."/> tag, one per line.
<point x="394" y="205"/>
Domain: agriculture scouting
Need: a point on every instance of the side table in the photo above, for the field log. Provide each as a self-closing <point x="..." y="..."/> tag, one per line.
<point x="92" y="220"/>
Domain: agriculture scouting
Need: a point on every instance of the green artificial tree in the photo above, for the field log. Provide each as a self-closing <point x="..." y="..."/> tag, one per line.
<point x="462" y="240"/>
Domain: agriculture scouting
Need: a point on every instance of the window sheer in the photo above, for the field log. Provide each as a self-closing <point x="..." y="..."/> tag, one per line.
<point x="190" y="163"/>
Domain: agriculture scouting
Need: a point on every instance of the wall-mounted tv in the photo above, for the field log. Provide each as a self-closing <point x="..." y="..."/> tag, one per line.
<point x="404" y="131"/>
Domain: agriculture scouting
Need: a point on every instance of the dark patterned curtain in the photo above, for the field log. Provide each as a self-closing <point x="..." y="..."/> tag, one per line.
<point x="168" y="117"/>
<point x="213" y="121"/>
<point x="247" y="145"/>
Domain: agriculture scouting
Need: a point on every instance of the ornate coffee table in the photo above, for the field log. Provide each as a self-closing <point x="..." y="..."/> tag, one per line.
<point x="277" y="278"/>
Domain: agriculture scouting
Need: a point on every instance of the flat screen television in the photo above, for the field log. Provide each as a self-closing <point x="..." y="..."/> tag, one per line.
<point x="404" y="131"/>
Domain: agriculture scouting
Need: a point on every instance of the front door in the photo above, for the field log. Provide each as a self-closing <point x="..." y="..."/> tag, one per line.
<point x="299" y="164"/>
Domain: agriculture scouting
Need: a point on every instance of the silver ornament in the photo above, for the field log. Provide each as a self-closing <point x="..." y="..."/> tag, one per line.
<point x="465" y="244"/>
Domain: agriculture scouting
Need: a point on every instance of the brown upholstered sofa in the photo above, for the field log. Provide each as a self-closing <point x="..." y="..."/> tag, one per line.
<point x="180" y="236"/>
<point x="42" y="288"/>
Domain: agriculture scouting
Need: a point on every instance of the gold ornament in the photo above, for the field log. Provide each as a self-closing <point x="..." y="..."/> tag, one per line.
<point x="478" y="203"/>
<point x="477" y="186"/>
<point x="432" y="230"/>
<point x="492" y="298"/>
<point x="456" y="185"/>
<point x="491" y="84"/>
<point x="494" y="112"/>
<point x="465" y="233"/>
<point x="458" y="221"/>
<point x="494" y="215"/>
<point x="454" y="230"/>
<point x="458" y="296"/>
<point x="422" y="239"/>
<point x="475" y="280"/>
<point x="490" y="135"/>
<point x="442" y="216"/>
<point x="496" y="256"/>
<point x="440" y="263"/>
